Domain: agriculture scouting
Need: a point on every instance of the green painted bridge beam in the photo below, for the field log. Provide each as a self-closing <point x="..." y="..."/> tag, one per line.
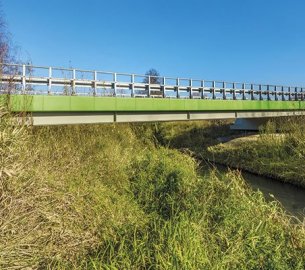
<point x="47" y="103"/>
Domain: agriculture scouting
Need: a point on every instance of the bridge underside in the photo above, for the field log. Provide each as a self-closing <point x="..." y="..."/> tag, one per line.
<point x="250" y="121"/>
<point x="57" y="110"/>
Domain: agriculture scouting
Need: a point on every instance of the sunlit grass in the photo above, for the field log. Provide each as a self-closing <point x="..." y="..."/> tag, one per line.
<point x="110" y="197"/>
<point x="278" y="152"/>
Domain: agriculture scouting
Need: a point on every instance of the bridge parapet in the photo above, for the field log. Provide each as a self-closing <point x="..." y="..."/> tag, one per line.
<point x="54" y="81"/>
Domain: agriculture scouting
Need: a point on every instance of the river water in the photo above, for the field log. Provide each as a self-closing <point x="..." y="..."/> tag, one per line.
<point x="291" y="197"/>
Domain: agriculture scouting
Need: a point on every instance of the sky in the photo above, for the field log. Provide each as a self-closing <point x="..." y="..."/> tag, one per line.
<point x="260" y="41"/>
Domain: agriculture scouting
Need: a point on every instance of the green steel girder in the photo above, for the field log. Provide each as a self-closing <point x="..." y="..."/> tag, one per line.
<point x="41" y="103"/>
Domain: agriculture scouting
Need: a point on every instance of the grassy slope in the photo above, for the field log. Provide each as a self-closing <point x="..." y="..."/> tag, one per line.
<point x="106" y="197"/>
<point x="278" y="152"/>
<point x="280" y="156"/>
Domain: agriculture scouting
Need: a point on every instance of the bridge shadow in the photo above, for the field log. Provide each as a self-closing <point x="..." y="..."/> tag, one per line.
<point x="196" y="136"/>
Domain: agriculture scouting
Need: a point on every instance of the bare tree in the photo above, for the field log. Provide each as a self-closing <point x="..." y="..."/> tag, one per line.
<point x="5" y="40"/>
<point x="7" y="55"/>
<point x="154" y="77"/>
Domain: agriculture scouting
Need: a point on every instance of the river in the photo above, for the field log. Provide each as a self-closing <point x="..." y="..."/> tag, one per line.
<point x="291" y="197"/>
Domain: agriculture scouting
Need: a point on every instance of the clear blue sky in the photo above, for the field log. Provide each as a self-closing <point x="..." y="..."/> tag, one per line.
<point x="242" y="40"/>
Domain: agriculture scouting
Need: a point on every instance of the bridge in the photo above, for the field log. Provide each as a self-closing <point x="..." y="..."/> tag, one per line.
<point x="55" y="95"/>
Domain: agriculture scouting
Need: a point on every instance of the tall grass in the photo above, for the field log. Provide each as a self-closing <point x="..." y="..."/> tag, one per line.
<point x="278" y="152"/>
<point x="216" y="223"/>
<point x="69" y="196"/>
<point x="192" y="135"/>
<point x="110" y="197"/>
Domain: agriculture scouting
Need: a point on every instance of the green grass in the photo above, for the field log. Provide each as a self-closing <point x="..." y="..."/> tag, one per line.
<point x="278" y="152"/>
<point x="110" y="197"/>
<point x="192" y="135"/>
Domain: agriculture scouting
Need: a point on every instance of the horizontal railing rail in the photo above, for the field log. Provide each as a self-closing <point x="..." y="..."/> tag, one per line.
<point x="44" y="80"/>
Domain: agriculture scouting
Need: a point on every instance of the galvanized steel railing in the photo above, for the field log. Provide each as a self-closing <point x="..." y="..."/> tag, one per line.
<point x="39" y="80"/>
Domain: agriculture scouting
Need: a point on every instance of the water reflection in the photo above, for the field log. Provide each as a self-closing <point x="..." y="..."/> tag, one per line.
<point x="291" y="197"/>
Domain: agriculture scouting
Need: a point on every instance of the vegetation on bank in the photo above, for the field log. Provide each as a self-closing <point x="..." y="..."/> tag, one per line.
<point x="110" y="197"/>
<point x="278" y="152"/>
<point x="193" y="136"/>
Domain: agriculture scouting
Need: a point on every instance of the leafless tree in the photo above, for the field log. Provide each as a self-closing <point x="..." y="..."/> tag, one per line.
<point x="7" y="55"/>
<point x="154" y="77"/>
<point x="5" y="40"/>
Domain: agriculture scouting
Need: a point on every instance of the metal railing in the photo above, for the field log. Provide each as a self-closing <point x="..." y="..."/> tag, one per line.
<point x="40" y="80"/>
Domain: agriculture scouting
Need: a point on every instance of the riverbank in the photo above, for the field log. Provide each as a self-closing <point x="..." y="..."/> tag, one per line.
<point x="276" y="155"/>
<point x="277" y="152"/>
<point x="111" y="197"/>
<point x="291" y="197"/>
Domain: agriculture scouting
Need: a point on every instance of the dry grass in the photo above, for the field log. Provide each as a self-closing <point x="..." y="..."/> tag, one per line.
<point x="105" y="197"/>
<point x="54" y="206"/>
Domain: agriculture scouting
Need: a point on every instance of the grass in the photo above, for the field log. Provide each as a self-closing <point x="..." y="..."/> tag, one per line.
<point x="192" y="135"/>
<point x="278" y="152"/>
<point x="111" y="197"/>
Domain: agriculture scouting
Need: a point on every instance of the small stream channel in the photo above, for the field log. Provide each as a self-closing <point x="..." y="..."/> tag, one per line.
<point x="291" y="197"/>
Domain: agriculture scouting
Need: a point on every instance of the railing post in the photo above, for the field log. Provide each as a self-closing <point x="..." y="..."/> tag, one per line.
<point x="164" y="87"/>
<point x="73" y="82"/>
<point x="260" y="92"/>
<point x="191" y="88"/>
<point x="283" y="95"/>
<point x="234" y="91"/>
<point x="94" y="83"/>
<point x="296" y="93"/>
<point x="202" y="89"/>
<point x="148" y="87"/>
<point x="243" y="89"/>
<point x="132" y="85"/>
<point x="177" y="87"/>
<point x="268" y="92"/>
<point x="275" y="93"/>
<point x="224" y="96"/>
<point x="114" y="84"/>
<point x="213" y="90"/>
<point x="289" y="93"/>
<point x="302" y="94"/>
<point x="23" y="79"/>
<point x="50" y="81"/>
<point x="252" y="91"/>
